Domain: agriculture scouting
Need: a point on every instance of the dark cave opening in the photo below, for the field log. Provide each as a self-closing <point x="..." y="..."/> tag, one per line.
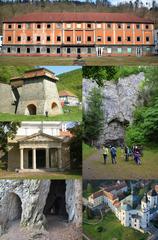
<point x="14" y="207"/>
<point x="55" y="202"/>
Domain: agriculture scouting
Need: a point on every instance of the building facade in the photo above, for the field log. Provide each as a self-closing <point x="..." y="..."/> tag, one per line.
<point x="39" y="146"/>
<point x="130" y="210"/>
<point x="68" y="98"/>
<point x="73" y="34"/>
<point x="34" y="93"/>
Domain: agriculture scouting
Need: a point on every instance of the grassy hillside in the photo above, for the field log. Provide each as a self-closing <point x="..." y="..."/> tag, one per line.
<point x="9" y="10"/>
<point x="71" y="81"/>
<point x="8" y="72"/>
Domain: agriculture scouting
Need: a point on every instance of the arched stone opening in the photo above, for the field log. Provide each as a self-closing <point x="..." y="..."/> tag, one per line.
<point x="31" y="110"/>
<point x="14" y="207"/>
<point x="54" y="107"/>
<point x="56" y="202"/>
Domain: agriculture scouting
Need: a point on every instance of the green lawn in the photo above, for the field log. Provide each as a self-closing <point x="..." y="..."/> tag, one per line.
<point x="113" y="230"/>
<point x="48" y="175"/>
<point x="46" y="60"/>
<point x="87" y="150"/>
<point x="75" y="114"/>
<point x="93" y="166"/>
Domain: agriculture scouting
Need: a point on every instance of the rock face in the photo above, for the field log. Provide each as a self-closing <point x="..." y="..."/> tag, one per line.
<point x="119" y="101"/>
<point x="26" y="199"/>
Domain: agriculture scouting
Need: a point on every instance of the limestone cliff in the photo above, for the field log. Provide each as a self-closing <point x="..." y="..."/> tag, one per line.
<point x="119" y="101"/>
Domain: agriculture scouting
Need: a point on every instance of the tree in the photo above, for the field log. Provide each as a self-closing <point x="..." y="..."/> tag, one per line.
<point x="93" y="117"/>
<point x="76" y="147"/>
<point x="89" y="188"/>
<point x="7" y="129"/>
<point x="100" y="73"/>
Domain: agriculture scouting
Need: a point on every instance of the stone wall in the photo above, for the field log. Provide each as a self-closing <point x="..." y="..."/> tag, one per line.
<point x="119" y="101"/>
<point x="6" y="99"/>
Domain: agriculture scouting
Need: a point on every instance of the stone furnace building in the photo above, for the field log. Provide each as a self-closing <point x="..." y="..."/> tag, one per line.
<point x="40" y="146"/>
<point x="34" y="93"/>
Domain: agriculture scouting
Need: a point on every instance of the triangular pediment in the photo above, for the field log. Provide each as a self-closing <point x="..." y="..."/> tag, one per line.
<point x="40" y="137"/>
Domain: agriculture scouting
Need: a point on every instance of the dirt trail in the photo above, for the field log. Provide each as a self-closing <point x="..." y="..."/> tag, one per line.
<point x="57" y="229"/>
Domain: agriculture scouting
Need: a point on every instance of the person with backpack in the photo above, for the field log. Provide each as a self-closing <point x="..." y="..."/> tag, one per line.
<point x="113" y="154"/>
<point x="137" y="155"/>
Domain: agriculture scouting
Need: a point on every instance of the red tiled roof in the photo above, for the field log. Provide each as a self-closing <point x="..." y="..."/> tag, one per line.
<point x="116" y="187"/>
<point x="39" y="72"/>
<point x="97" y="194"/>
<point x="64" y="93"/>
<point x="78" y="17"/>
<point x="66" y="134"/>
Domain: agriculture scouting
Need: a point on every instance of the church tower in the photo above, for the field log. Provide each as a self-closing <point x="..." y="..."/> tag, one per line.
<point x="145" y="208"/>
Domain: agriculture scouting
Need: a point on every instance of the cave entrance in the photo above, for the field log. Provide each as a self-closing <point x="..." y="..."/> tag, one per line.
<point x="14" y="207"/>
<point x="56" y="203"/>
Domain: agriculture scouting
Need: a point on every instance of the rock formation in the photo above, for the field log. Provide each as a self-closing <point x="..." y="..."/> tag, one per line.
<point x="119" y="101"/>
<point x="26" y="200"/>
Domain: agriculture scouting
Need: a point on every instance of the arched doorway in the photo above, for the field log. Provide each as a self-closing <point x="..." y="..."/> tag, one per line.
<point x="14" y="207"/>
<point x="56" y="203"/>
<point x="31" y="109"/>
<point x="54" y="107"/>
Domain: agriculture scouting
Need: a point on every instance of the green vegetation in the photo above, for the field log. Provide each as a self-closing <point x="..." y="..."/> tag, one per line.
<point x="144" y="129"/>
<point x="88" y="150"/>
<point x="71" y="81"/>
<point x="93" y="117"/>
<point x="75" y="114"/>
<point x="8" y="72"/>
<point x="91" y="61"/>
<point x="111" y="228"/>
<point x="7" y="130"/>
<point x="107" y="73"/>
<point x="76" y="147"/>
<point x="93" y="165"/>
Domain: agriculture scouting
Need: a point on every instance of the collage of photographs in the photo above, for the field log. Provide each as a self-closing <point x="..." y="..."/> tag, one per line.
<point x="78" y="120"/>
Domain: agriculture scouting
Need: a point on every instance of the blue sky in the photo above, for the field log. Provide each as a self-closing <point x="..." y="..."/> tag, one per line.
<point x="61" y="69"/>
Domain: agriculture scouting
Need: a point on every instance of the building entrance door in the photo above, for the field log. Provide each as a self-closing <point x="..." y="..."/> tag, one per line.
<point x="99" y="51"/>
<point x="139" y="51"/>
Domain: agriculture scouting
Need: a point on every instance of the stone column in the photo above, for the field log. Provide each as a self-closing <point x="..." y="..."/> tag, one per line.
<point x="47" y="158"/>
<point x="21" y="158"/>
<point x="59" y="159"/>
<point x="34" y="158"/>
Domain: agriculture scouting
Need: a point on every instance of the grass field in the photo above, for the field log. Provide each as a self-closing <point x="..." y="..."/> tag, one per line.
<point x="113" y="230"/>
<point x="46" y="60"/>
<point x="93" y="167"/>
<point x="48" y="175"/>
<point x="75" y="114"/>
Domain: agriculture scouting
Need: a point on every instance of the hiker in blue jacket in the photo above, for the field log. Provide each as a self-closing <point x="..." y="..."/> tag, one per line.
<point x="113" y="154"/>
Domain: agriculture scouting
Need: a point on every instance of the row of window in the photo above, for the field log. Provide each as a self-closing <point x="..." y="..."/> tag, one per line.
<point x="48" y="50"/>
<point x="69" y="39"/>
<point x="78" y="25"/>
<point x="78" y="50"/>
